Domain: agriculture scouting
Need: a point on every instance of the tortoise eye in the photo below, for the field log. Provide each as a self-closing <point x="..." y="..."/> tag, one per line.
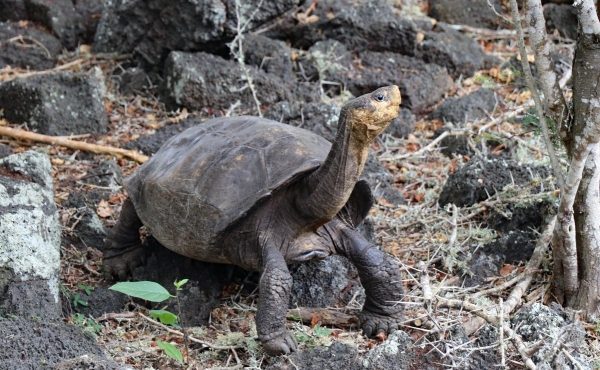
<point x="379" y="97"/>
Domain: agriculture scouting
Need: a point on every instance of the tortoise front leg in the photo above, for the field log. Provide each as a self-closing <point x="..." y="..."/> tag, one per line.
<point x="122" y="248"/>
<point x="274" y="291"/>
<point x="383" y="311"/>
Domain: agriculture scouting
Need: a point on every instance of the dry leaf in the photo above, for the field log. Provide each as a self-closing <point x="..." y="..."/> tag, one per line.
<point x="507" y="269"/>
<point x="314" y="320"/>
<point x="104" y="209"/>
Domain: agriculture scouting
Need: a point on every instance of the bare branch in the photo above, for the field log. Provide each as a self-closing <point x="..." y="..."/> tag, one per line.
<point x="558" y="172"/>
<point x="556" y="105"/>
<point x="588" y="18"/>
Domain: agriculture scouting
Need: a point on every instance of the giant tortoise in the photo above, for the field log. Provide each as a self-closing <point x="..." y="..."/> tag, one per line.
<point x="260" y="194"/>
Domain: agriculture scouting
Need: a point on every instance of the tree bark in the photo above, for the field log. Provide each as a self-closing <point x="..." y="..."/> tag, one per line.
<point x="554" y="100"/>
<point x="576" y="279"/>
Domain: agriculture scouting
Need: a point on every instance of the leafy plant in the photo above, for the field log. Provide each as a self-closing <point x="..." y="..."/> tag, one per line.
<point x="155" y="292"/>
<point x="321" y="331"/>
<point x="170" y="350"/>
<point x="77" y="301"/>
<point x="88" y="325"/>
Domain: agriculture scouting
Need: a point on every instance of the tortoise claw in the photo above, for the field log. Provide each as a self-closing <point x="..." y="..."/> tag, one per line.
<point x="373" y="323"/>
<point x="118" y="266"/>
<point x="281" y="345"/>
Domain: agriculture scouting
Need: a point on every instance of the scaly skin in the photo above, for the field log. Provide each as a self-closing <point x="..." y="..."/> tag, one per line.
<point x="383" y="311"/>
<point x="274" y="291"/>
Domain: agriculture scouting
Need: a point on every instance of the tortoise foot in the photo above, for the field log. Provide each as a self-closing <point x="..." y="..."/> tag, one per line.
<point x="119" y="264"/>
<point x="373" y="323"/>
<point x="281" y="345"/>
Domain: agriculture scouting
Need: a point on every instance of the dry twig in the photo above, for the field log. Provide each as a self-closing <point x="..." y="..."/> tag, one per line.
<point x="72" y="144"/>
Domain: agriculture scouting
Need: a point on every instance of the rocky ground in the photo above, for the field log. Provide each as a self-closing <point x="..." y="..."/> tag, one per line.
<point x="461" y="178"/>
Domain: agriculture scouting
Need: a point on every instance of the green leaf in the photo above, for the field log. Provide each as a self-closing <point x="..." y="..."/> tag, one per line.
<point x="170" y="350"/>
<point x="164" y="316"/>
<point x="147" y="290"/>
<point x="180" y="283"/>
<point x="321" y="331"/>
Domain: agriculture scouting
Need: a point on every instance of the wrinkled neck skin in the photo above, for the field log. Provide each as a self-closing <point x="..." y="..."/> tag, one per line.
<point x="275" y="224"/>
<point x="323" y="193"/>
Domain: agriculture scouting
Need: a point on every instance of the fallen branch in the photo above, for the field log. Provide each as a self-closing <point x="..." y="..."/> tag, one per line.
<point x="323" y="316"/>
<point x="72" y="144"/>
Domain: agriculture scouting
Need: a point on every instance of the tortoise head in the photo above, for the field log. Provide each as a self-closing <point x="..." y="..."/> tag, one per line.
<point x="369" y="114"/>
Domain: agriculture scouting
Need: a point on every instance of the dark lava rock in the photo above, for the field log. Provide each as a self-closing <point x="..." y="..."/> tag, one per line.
<point x="34" y="344"/>
<point x="360" y="26"/>
<point x="538" y="323"/>
<point x="60" y="103"/>
<point x="402" y="125"/>
<point x="453" y="145"/>
<point x="446" y="47"/>
<point x="5" y="151"/>
<point x="475" y="13"/>
<point x="88" y="362"/>
<point x="381" y="182"/>
<point x="60" y="17"/>
<point x="101" y="301"/>
<point x="271" y="56"/>
<point x="325" y="60"/>
<point x="483" y="177"/>
<point x="201" y="80"/>
<point x="90" y="11"/>
<point x="471" y="107"/>
<point x="12" y="10"/>
<point x="335" y="357"/>
<point x="200" y="295"/>
<point x="133" y="80"/>
<point x="421" y="84"/>
<point x="154" y="28"/>
<point x="331" y="282"/>
<point x="471" y="357"/>
<point x="561" y="17"/>
<point x="318" y="117"/>
<point x="394" y="353"/>
<point x="24" y="53"/>
<point x="151" y="143"/>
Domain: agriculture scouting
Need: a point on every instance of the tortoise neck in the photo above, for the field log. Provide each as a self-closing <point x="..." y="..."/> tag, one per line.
<point x="325" y="191"/>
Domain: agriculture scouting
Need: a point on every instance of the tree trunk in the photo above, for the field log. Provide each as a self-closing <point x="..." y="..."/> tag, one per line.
<point x="576" y="279"/>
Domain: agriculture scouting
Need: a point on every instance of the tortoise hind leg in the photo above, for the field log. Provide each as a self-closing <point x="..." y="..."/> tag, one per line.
<point x="383" y="311"/>
<point x="122" y="249"/>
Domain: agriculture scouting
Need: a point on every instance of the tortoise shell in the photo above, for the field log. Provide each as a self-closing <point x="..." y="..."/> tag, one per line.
<point x="209" y="176"/>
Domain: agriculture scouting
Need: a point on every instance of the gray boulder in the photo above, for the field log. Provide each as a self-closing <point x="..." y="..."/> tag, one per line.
<point x="29" y="237"/>
<point x="551" y="325"/>
<point x="60" y="103"/>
